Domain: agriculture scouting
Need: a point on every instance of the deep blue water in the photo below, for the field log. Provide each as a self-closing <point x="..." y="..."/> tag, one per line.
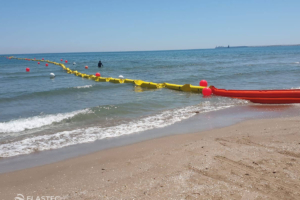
<point x="39" y="113"/>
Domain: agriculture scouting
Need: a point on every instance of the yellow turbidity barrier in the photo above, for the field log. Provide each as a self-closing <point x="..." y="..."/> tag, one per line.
<point x="197" y="88"/>
<point x="85" y="76"/>
<point x="116" y="80"/>
<point x="128" y="81"/>
<point x="185" y="88"/>
<point x="91" y="77"/>
<point x="140" y="83"/>
<point x="100" y="79"/>
<point x="151" y="85"/>
<point x="108" y="79"/>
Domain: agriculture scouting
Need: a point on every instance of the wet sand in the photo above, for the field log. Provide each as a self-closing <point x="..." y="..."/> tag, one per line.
<point x="255" y="159"/>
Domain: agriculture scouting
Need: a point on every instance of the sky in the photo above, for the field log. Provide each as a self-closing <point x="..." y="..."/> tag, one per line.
<point x="36" y="26"/>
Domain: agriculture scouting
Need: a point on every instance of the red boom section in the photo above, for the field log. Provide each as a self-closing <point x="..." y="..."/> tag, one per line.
<point x="261" y="96"/>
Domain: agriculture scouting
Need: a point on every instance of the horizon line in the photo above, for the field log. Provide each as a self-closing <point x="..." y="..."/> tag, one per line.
<point x="153" y="50"/>
<point x="111" y="51"/>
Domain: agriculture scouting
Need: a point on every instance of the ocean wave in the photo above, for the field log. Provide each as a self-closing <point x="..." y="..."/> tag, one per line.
<point x="77" y="136"/>
<point x="296" y="62"/>
<point x="84" y="86"/>
<point x="60" y="91"/>
<point x="36" y="121"/>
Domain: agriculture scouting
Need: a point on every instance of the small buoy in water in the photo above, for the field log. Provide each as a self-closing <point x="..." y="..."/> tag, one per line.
<point x="206" y="91"/>
<point x="66" y="61"/>
<point x="98" y="74"/>
<point x="121" y="77"/>
<point x="74" y="63"/>
<point x="42" y="58"/>
<point x="46" y="64"/>
<point x="34" y="58"/>
<point x="61" y="59"/>
<point x="52" y="75"/>
<point x="203" y="83"/>
<point x="27" y="69"/>
<point x="86" y="67"/>
<point x="39" y="63"/>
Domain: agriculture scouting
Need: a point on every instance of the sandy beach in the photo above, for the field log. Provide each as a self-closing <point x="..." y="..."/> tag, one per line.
<point x="255" y="159"/>
<point x="144" y="100"/>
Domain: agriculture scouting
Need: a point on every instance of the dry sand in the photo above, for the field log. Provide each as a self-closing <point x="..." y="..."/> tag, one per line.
<point x="257" y="159"/>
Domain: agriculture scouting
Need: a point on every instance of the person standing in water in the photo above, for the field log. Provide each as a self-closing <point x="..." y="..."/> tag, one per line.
<point x="100" y="64"/>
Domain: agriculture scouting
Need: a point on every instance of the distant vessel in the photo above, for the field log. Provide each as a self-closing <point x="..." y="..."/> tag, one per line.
<point x="222" y="47"/>
<point x="219" y="47"/>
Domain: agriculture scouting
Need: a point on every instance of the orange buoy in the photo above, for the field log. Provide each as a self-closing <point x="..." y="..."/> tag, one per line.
<point x="206" y="91"/>
<point x="27" y="69"/>
<point x="42" y="58"/>
<point x="46" y="64"/>
<point x="98" y="74"/>
<point x="61" y="59"/>
<point x="38" y="62"/>
<point x="86" y="67"/>
<point x="203" y="83"/>
<point x="66" y="61"/>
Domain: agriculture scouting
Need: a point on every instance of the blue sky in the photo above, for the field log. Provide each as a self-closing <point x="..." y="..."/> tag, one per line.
<point x="37" y="26"/>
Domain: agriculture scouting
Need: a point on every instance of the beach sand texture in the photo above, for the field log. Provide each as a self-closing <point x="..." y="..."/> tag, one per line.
<point x="256" y="159"/>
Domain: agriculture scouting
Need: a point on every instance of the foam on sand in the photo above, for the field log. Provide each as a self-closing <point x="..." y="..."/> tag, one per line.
<point x="77" y="136"/>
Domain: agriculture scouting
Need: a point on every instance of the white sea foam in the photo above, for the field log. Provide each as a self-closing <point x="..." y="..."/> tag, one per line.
<point x="36" y="121"/>
<point x="296" y="62"/>
<point x="85" y="86"/>
<point x="67" y="138"/>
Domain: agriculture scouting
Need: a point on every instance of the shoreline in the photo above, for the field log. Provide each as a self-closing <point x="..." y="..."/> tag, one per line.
<point x="198" y="123"/>
<point x="254" y="159"/>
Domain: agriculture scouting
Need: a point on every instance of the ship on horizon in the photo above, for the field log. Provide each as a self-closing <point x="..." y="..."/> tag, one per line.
<point x="219" y="47"/>
<point x="226" y="47"/>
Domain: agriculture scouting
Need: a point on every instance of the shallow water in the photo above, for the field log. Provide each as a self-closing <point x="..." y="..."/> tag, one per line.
<point x="38" y="113"/>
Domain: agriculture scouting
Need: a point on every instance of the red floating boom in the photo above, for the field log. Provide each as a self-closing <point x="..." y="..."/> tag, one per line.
<point x="261" y="96"/>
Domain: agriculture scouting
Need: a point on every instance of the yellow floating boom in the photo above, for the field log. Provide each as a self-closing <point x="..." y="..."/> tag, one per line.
<point x="141" y="83"/>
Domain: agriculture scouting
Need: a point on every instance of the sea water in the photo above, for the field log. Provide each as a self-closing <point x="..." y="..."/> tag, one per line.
<point x="38" y="113"/>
